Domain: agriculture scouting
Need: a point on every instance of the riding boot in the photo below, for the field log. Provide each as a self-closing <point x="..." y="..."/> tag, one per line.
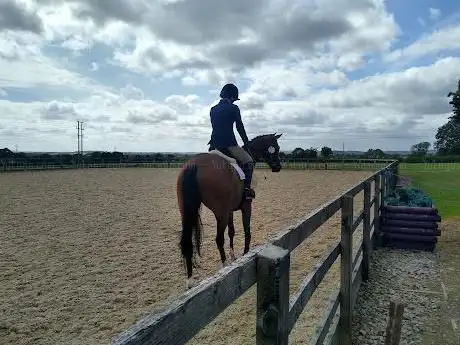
<point x="248" y="191"/>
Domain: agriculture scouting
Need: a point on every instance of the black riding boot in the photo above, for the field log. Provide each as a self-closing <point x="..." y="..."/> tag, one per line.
<point x="248" y="170"/>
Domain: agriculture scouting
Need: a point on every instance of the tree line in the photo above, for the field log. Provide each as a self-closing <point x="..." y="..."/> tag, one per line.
<point x="447" y="149"/>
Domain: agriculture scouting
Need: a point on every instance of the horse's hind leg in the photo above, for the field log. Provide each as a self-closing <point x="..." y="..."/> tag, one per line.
<point x="231" y="234"/>
<point x="222" y="222"/>
<point x="246" y="211"/>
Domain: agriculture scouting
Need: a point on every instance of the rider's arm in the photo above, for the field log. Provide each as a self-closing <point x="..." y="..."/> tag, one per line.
<point x="240" y="127"/>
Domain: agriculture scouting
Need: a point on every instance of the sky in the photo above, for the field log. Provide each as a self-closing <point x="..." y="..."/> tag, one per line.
<point x="143" y="74"/>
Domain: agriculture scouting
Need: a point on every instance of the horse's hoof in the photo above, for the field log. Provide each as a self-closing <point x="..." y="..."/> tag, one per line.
<point x="232" y="255"/>
<point x="190" y="283"/>
<point x="197" y="263"/>
<point x="224" y="264"/>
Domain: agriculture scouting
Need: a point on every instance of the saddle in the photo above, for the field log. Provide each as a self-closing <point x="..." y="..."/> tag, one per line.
<point x="233" y="162"/>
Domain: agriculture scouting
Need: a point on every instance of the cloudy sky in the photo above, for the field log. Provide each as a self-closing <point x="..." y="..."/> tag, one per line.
<point x="143" y="74"/>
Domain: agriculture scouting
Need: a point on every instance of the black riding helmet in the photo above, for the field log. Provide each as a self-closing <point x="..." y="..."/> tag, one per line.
<point x="229" y="91"/>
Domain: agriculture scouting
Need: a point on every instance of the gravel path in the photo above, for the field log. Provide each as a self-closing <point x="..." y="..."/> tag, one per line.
<point x="410" y="277"/>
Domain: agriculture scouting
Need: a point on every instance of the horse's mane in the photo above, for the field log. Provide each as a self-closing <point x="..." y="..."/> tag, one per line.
<point x="261" y="136"/>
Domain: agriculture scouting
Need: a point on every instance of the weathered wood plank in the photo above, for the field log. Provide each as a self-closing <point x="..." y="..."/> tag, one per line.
<point x="324" y="326"/>
<point x="357" y="279"/>
<point x="357" y="220"/>
<point x="195" y="308"/>
<point x="295" y="235"/>
<point x="346" y="269"/>
<point x="359" y="251"/>
<point x="390" y="323"/>
<point x="398" y="324"/>
<point x="332" y="336"/>
<point x="367" y="246"/>
<point x="354" y="190"/>
<point x="376" y="221"/>
<point x="272" y="296"/>
<point x="311" y="283"/>
<point x="383" y="188"/>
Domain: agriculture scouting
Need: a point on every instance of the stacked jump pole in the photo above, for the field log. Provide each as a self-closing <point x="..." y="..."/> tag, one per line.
<point x="268" y="266"/>
<point x="405" y="227"/>
<point x="410" y="227"/>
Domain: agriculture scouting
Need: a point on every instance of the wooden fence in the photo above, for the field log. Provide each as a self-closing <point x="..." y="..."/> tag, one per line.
<point x="268" y="266"/>
<point x="332" y="164"/>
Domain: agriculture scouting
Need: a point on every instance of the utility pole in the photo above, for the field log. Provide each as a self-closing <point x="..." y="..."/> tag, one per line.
<point x="80" y="129"/>
<point x="78" y="141"/>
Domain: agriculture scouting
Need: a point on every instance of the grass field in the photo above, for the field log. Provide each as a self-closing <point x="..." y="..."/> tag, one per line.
<point x="441" y="181"/>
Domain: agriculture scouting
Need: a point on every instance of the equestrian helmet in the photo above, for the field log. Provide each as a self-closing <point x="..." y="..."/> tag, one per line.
<point x="229" y="91"/>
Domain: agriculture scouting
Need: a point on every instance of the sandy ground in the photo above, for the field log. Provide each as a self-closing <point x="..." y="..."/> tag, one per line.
<point x="86" y="253"/>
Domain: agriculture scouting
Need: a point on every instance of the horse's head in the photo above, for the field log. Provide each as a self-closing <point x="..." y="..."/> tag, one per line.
<point x="266" y="148"/>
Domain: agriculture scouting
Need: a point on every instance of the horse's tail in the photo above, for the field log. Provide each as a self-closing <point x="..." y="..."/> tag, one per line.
<point x="190" y="199"/>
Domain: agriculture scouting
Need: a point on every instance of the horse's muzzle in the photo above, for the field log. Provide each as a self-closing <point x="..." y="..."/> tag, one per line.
<point x="276" y="168"/>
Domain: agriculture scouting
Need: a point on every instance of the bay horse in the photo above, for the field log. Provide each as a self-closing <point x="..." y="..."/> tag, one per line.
<point x="211" y="179"/>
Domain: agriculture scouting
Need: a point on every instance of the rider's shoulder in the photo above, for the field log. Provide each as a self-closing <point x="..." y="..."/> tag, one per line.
<point x="234" y="107"/>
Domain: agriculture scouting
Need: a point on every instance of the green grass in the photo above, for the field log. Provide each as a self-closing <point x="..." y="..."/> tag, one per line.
<point x="441" y="181"/>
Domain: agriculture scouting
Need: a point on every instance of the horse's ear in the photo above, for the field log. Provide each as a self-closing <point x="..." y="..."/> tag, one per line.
<point x="277" y="136"/>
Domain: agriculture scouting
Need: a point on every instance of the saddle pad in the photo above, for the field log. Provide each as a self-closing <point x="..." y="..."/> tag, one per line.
<point x="232" y="162"/>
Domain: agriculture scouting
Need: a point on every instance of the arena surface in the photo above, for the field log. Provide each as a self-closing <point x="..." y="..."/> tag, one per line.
<point x="86" y="253"/>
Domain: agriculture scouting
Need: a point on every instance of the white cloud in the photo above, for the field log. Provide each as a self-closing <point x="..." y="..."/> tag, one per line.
<point x="23" y="65"/>
<point x="435" y="13"/>
<point x="445" y="39"/>
<point x="313" y="69"/>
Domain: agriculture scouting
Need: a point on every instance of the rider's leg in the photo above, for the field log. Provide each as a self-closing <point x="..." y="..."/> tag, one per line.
<point x="248" y="167"/>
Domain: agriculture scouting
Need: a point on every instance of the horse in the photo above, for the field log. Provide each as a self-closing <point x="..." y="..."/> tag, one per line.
<point x="212" y="179"/>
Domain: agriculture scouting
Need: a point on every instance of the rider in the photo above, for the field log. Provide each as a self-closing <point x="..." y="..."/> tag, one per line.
<point x="223" y="115"/>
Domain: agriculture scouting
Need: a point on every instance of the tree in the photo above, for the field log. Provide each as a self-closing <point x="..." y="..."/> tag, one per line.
<point x="298" y="153"/>
<point x="420" y="149"/>
<point x="375" y="154"/>
<point x="448" y="135"/>
<point x="311" y="153"/>
<point x="326" y="152"/>
<point x="448" y="139"/>
<point x="455" y="103"/>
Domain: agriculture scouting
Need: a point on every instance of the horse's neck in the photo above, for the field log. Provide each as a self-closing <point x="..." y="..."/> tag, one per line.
<point x="256" y="154"/>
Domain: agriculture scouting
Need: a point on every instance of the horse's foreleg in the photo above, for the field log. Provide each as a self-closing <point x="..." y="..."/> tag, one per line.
<point x="231" y="234"/>
<point x="222" y="223"/>
<point x="246" y="211"/>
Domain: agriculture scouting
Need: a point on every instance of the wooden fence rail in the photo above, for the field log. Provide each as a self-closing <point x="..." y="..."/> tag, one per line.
<point x="360" y="164"/>
<point x="268" y="267"/>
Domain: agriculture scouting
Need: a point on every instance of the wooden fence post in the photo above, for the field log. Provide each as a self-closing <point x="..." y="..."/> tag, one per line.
<point x="346" y="271"/>
<point x="383" y="180"/>
<point x="272" y="296"/>
<point x="393" y="331"/>
<point x="377" y="192"/>
<point x="367" y="247"/>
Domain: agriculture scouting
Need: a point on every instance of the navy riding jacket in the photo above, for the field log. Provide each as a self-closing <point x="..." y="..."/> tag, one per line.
<point x="223" y="116"/>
